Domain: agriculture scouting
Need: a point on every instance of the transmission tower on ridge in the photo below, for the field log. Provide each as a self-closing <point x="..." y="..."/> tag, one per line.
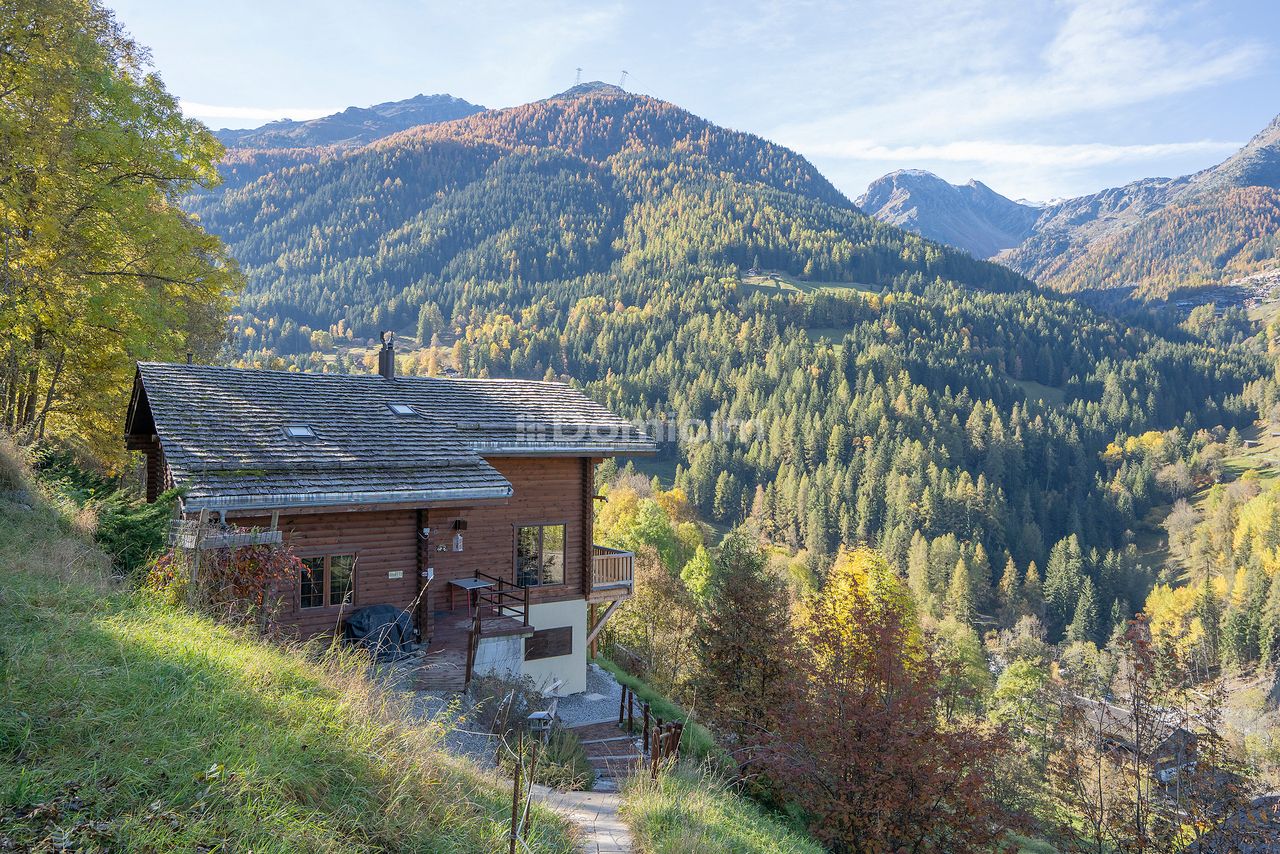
<point x="622" y="84"/>
<point x="577" y="80"/>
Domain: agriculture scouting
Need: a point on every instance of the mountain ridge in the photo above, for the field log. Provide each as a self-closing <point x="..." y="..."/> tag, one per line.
<point x="1182" y="226"/>
<point x="969" y="216"/>
<point x="592" y="182"/>
<point x="352" y="126"/>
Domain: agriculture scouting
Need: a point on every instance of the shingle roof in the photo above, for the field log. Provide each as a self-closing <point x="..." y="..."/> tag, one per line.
<point x="222" y="431"/>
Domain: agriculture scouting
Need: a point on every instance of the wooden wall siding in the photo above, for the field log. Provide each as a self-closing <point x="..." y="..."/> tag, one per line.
<point x="382" y="541"/>
<point x="547" y="491"/>
<point x="154" y="470"/>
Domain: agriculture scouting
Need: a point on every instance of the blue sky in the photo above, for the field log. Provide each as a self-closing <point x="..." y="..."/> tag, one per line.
<point x="1037" y="98"/>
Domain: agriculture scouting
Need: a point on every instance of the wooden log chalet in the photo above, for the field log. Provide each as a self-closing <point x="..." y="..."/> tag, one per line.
<point x="1159" y="739"/>
<point x="466" y="503"/>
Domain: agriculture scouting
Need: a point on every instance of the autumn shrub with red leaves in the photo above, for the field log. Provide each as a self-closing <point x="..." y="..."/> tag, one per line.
<point x="861" y="748"/>
<point x="238" y="585"/>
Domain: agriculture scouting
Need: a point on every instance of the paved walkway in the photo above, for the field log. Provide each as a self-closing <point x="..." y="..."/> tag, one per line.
<point x="593" y="714"/>
<point x="603" y="830"/>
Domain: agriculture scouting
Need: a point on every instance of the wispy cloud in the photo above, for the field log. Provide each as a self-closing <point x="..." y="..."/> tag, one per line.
<point x="1023" y="153"/>
<point x="992" y="98"/>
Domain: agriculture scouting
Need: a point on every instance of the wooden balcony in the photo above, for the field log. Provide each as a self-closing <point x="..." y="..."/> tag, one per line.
<point x="612" y="574"/>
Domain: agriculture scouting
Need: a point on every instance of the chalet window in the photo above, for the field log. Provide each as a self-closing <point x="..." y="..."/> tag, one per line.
<point x="326" y="581"/>
<point x="539" y="555"/>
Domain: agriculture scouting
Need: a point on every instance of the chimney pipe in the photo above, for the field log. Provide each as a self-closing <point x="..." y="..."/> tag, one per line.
<point x="387" y="356"/>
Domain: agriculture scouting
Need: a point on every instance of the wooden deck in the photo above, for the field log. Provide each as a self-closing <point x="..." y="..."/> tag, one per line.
<point x="444" y="663"/>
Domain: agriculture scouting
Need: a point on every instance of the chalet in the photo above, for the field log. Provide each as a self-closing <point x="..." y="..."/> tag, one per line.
<point x="465" y="504"/>
<point x="1168" y="748"/>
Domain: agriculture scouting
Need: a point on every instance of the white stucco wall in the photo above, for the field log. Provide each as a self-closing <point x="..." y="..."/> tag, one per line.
<point x="501" y="656"/>
<point x="571" y="668"/>
<point x="505" y="656"/>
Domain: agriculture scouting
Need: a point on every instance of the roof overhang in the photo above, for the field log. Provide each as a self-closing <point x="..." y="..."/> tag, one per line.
<point x="337" y="501"/>
<point x="499" y="449"/>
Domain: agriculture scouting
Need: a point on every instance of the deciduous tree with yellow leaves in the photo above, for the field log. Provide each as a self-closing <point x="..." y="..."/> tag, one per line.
<point x="98" y="266"/>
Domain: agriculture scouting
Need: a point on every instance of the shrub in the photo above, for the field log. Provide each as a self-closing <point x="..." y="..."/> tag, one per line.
<point x="562" y="761"/>
<point x="498" y="701"/>
<point x="237" y="586"/>
<point x="133" y="532"/>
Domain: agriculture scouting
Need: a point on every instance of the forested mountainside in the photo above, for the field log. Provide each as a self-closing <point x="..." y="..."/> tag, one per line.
<point x="1152" y="236"/>
<point x="593" y="181"/>
<point x="352" y="126"/>
<point x="885" y="389"/>
<point x="945" y="426"/>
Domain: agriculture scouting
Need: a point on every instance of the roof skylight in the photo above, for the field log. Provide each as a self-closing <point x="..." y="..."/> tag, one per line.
<point x="401" y="408"/>
<point x="299" y="431"/>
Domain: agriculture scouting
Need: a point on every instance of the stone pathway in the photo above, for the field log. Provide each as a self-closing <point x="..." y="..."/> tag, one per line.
<point x="434" y="680"/>
<point x="603" y="830"/>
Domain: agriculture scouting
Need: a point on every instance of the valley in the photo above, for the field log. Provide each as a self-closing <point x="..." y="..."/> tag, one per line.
<point x="943" y="521"/>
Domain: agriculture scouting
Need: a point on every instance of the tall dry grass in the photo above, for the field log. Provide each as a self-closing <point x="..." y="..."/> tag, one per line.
<point x="128" y="724"/>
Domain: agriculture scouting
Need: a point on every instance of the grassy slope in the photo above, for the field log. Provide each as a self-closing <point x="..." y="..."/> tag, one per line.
<point x="691" y="810"/>
<point x="127" y="725"/>
<point x="696" y="742"/>
<point x="684" y="812"/>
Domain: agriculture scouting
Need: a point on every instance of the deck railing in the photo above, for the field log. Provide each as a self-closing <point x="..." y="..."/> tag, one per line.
<point x="611" y="567"/>
<point x="504" y="599"/>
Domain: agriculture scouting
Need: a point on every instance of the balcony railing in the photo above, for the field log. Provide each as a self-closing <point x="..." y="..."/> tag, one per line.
<point x="611" y="568"/>
<point x="503" y="599"/>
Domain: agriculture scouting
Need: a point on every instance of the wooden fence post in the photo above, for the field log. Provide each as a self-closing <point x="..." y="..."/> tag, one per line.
<point x="622" y="705"/>
<point x="631" y="711"/>
<point x="533" y="776"/>
<point x="645" y="709"/>
<point x="515" y="790"/>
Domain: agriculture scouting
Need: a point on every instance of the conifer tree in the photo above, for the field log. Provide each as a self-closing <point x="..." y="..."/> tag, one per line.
<point x="960" y="593"/>
<point x="430" y="323"/>
<point x="1032" y="592"/>
<point x="1062" y="583"/>
<point x="918" y="571"/>
<point x="1118" y="621"/>
<point x="1209" y="610"/>
<point x="1084" y="623"/>
<point x="1008" y="591"/>
<point x="742" y="640"/>
<point x="980" y="577"/>
<point x="1270" y="633"/>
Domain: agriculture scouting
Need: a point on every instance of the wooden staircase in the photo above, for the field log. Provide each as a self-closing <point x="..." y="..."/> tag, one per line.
<point x="614" y="754"/>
